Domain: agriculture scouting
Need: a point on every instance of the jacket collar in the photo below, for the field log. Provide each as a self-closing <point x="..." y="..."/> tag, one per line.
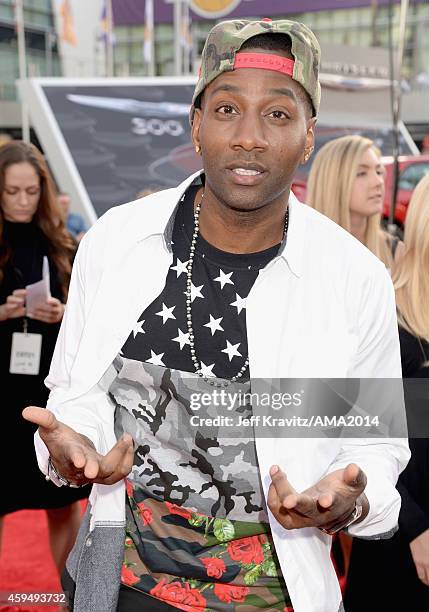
<point x="164" y="207"/>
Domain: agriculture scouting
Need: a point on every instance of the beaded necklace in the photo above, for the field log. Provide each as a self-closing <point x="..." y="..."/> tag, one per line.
<point x="188" y="294"/>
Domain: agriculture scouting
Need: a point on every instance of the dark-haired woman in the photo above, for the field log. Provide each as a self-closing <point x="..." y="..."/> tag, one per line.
<point x="30" y="230"/>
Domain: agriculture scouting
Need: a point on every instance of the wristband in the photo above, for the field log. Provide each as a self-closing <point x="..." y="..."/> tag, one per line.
<point x="355" y="515"/>
<point x="52" y="471"/>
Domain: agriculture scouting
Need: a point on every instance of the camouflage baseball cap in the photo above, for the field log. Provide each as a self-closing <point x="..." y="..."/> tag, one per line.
<point x="227" y="37"/>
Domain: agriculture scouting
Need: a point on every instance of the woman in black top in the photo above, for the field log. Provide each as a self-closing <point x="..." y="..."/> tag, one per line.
<point x="394" y="574"/>
<point x="31" y="229"/>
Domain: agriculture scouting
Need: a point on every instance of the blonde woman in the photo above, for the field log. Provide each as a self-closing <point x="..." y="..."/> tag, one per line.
<point x="377" y="567"/>
<point x="411" y="280"/>
<point x="346" y="183"/>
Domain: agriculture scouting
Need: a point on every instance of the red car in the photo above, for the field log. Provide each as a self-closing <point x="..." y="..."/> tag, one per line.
<point x="412" y="168"/>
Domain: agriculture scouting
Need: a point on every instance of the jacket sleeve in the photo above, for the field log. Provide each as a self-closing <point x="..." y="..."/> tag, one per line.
<point x="90" y="413"/>
<point x="381" y="458"/>
<point x="413" y="520"/>
<point x="412" y="485"/>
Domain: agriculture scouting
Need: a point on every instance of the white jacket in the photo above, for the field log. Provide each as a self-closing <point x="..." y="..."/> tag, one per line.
<point x="324" y="307"/>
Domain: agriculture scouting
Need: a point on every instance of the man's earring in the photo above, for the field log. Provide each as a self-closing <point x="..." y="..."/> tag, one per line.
<point x="197" y="149"/>
<point x="308" y="153"/>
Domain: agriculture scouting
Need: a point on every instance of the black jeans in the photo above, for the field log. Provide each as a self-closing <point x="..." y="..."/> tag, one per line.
<point x="130" y="600"/>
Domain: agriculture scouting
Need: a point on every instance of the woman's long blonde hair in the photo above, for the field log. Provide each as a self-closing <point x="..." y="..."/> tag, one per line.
<point x="411" y="272"/>
<point x="330" y="185"/>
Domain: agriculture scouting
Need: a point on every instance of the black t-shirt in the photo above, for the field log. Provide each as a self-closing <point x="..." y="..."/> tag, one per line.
<point x="221" y="283"/>
<point x="414" y="353"/>
<point x="413" y="482"/>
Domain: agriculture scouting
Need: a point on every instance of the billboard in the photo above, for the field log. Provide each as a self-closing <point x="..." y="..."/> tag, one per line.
<point x="108" y="139"/>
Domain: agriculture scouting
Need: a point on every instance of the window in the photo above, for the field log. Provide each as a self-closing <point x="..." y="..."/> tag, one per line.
<point x="41" y="5"/>
<point x="412" y="175"/>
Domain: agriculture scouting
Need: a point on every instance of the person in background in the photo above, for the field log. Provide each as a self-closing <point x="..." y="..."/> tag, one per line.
<point x="146" y="191"/>
<point x="411" y="281"/>
<point x="346" y="183"/>
<point x="29" y="231"/>
<point x="74" y="222"/>
<point x="394" y="574"/>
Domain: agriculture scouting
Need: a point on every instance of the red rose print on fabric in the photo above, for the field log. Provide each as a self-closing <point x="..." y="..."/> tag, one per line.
<point x="229" y="592"/>
<point x="146" y="513"/>
<point x="127" y="576"/>
<point x="129" y="487"/>
<point x="215" y="567"/>
<point x="180" y="596"/>
<point x="246" y="550"/>
<point x="173" y="509"/>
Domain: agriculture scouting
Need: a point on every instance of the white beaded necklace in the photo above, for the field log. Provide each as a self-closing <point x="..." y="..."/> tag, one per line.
<point x="189" y="267"/>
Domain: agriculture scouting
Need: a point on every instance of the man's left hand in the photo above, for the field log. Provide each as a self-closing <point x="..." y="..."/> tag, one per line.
<point x="328" y="504"/>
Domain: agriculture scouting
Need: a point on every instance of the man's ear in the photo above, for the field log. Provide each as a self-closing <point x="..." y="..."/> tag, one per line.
<point x="311" y="126"/>
<point x="309" y="140"/>
<point x="195" y="130"/>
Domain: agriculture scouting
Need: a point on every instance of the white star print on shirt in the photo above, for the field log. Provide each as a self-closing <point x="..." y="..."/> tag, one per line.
<point x="180" y="267"/>
<point x="156" y="359"/>
<point x="214" y="325"/>
<point x="239" y="303"/>
<point x="207" y="370"/>
<point x="166" y="313"/>
<point x="182" y="339"/>
<point x="138" y="328"/>
<point x="232" y="350"/>
<point x="224" y="279"/>
<point x="195" y="292"/>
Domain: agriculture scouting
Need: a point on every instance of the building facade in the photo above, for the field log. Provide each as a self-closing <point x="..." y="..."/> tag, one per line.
<point x="362" y="23"/>
<point x="41" y="51"/>
<point x="349" y="22"/>
<point x="359" y="23"/>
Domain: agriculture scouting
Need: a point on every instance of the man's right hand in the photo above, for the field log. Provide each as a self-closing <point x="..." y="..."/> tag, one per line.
<point x="74" y="456"/>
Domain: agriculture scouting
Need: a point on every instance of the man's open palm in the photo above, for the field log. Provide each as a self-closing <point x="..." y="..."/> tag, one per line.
<point x="328" y="503"/>
<point x="74" y="455"/>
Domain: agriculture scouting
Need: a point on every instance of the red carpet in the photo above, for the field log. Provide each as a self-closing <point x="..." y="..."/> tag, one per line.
<point x="26" y="564"/>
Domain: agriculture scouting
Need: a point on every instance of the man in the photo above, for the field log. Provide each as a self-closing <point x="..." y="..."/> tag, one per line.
<point x="228" y="275"/>
<point x="74" y="222"/>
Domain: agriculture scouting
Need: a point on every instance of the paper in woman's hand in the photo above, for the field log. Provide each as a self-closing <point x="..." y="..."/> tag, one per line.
<point x="38" y="293"/>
